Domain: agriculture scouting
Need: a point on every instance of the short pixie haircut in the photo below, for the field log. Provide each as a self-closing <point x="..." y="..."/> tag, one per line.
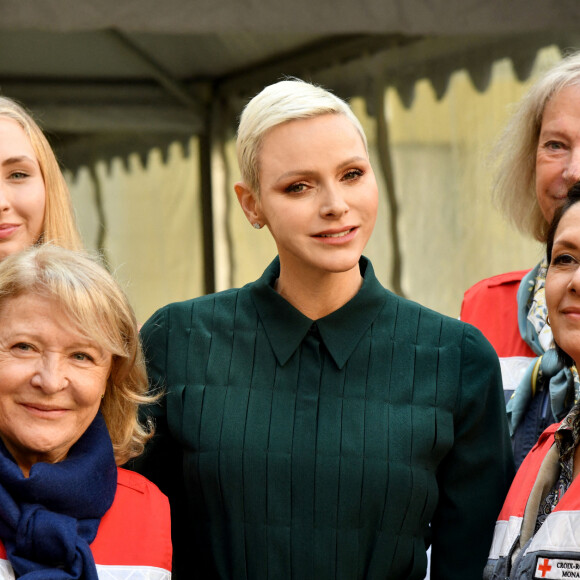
<point x="284" y="101"/>
<point x="59" y="225"/>
<point x="100" y="311"/>
<point x="515" y="185"/>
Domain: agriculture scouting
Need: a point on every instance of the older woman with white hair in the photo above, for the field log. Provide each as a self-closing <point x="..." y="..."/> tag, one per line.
<point x="315" y="425"/>
<point x="539" y="160"/>
<point x="72" y="378"/>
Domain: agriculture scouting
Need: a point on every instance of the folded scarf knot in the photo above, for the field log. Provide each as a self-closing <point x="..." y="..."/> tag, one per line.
<point x="49" y="519"/>
<point x="46" y="537"/>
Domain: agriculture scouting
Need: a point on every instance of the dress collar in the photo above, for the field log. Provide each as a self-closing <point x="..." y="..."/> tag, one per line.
<point x="340" y="330"/>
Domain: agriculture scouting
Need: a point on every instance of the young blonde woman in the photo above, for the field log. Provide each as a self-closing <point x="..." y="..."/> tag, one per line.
<point x="315" y="425"/>
<point x="35" y="204"/>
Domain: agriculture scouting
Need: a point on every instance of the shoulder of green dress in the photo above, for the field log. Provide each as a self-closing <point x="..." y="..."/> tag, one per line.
<point x="202" y="301"/>
<point x="166" y="315"/>
<point x="424" y="318"/>
<point x="475" y="341"/>
<point x="425" y="326"/>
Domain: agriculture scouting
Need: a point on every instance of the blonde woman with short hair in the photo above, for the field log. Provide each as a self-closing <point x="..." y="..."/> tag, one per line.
<point x="316" y="426"/>
<point x="72" y="378"/>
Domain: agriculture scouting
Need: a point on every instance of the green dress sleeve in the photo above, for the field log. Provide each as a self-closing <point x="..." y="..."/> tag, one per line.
<point x="475" y="476"/>
<point x="162" y="461"/>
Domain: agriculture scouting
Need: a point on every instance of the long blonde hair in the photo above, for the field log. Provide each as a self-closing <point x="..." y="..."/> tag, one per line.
<point x="59" y="224"/>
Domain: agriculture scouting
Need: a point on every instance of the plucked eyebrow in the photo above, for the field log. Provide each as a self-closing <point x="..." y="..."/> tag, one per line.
<point x="564" y="244"/>
<point x="552" y="132"/>
<point x="310" y="173"/>
<point x="18" y="159"/>
<point x="82" y="344"/>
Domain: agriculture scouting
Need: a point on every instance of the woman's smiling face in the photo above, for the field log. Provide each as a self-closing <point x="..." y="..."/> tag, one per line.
<point x="22" y="190"/>
<point x="52" y="379"/>
<point x="318" y="194"/>
<point x="563" y="284"/>
<point x="558" y="151"/>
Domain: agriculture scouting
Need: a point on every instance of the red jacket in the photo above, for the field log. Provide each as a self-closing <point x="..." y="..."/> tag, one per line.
<point x="134" y="537"/>
<point x="491" y="305"/>
<point x="554" y="551"/>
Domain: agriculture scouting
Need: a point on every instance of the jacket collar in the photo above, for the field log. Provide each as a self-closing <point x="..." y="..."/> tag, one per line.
<point x="340" y="331"/>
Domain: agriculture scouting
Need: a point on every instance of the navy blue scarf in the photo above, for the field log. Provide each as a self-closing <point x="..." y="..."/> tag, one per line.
<point x="48" y="520"/>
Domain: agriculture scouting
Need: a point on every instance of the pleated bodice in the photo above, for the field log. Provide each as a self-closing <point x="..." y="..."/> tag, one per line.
<point x="319" y="450"/>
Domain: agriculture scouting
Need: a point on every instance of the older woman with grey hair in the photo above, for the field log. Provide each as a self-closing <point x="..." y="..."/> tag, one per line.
<point x="539" y="160"/>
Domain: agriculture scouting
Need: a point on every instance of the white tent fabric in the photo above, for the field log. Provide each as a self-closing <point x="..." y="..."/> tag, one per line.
<point x="115" y="80"/>
<point x="451" y="235"/>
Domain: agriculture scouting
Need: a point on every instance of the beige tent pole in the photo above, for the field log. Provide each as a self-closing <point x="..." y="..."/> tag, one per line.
<point x="385" y="159"/>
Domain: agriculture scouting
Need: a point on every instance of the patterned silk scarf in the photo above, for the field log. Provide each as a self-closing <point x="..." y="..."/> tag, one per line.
<point x="547" y="368"/>
<point x="567" y="438"/>
<point x="48" y="520"/>
<point x="538" y="311"/>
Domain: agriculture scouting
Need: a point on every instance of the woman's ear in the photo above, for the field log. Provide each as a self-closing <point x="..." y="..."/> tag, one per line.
<point x="250" y="205"/>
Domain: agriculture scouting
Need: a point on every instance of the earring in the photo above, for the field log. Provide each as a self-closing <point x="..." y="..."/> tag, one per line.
<point x="257" y="225"/>
<point x="548" y="321"/>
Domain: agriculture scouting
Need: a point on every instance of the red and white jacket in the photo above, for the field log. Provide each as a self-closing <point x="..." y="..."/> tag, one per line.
<point x="554" y="551"/>
<point x="491" y="306"/>
<point x="134" y="537"/>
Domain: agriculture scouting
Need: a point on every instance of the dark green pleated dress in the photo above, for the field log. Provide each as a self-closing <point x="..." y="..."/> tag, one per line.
<point x="321" y="450"/>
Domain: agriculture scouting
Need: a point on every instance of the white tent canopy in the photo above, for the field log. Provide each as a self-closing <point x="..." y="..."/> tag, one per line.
<point x="115" y="77"/>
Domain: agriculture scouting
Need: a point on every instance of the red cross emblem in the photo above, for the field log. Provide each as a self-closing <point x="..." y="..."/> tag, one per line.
<point x="545" y="567"/>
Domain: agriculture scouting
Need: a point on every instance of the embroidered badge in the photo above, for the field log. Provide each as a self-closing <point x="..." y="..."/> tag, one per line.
<point x="557" y="568"/>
